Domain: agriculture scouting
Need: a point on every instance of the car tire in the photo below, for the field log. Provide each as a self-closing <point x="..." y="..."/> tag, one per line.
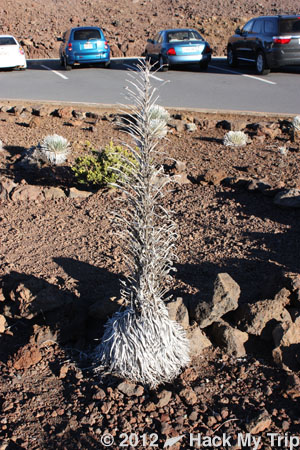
<point x="66" y="65"/>
<point x="163" y="67"/>
<point x="203" y="65"/>
<point x="231" y="57"/>
<point x="261" y="64"/>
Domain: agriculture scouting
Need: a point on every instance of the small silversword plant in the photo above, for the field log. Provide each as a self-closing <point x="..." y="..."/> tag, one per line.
<point x="296" y="123"/>
<point x="54" y="149"/>
<point x="282" y="150"/>
<point x="159" y="118"/>
<point x="141" y="342"/>
<point x="235" y="139"/>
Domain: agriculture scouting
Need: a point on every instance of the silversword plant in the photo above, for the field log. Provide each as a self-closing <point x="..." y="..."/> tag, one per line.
<point x="282" y="150"/>
<point x="54" y="149"/>
<point x="235" y="139"/>
<point x="159" y="118"/>
<point x="296" y="123"/>
<point x="141" y="342"/>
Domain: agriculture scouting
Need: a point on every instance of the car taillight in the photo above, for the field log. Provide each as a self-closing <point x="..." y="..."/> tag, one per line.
<point x="171" y="52"/>
<point x="21" y="51"/>
<point x="281" y="40"/>
<point x="207" y="49"/>
<point x="106" y="45"/>
<point x="69" y="46"/>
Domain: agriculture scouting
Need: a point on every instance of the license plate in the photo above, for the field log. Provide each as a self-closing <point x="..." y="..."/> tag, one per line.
<point x="88" y="46"/>
<point x="189" y="49"/>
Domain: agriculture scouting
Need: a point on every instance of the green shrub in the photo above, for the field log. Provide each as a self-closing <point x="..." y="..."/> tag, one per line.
<point x="104" y="167"/>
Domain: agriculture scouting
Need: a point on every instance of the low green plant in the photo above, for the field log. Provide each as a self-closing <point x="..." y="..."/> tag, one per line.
<point x="104" y="167"/>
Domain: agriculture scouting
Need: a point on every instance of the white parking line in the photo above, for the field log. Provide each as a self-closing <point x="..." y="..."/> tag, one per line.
<point x="54" y="71"/>
<point x="135" y="69"/>
<point x="243" y="74"/>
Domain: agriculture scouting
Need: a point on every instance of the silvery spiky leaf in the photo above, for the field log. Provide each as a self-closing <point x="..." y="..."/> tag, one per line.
<point x="296" y="123"/>
<point x="142" y="343"/>
<point x="55" y="149"/>
<point x="148" y="348"/>
<point x="235" y="139"/>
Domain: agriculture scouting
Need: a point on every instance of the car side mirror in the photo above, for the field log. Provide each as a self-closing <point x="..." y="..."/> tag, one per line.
<point x="150" y="41"/>
<point x="238" y="31"/>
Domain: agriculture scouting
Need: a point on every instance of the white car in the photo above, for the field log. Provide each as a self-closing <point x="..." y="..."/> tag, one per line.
<point x="12" y="54"/>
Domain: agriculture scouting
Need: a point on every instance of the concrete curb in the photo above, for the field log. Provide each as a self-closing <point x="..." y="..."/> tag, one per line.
<point x="116" y="108"/>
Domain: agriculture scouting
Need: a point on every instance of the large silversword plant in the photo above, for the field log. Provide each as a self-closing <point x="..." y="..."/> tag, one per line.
<point x="141" y="342"/>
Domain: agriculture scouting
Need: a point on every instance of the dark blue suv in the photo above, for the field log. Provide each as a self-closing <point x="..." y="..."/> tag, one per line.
<point x="269" y="42"/>
<point x="84" y="45"/>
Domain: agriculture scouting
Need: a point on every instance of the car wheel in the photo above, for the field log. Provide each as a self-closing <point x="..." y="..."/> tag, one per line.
<point x="163" y="67"/>
<point x="103" y="65"/>
<point x="66" y="65"/>
<point x="261" y="64"/>
<point x="231" y="57"/>
<point x="203" y="65"/>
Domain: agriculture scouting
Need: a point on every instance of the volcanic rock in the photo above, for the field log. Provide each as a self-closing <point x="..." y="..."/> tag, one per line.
<point x="261" y="317"/>
<point x="225" y="299"/>
<point x="229" y="338"/>
<point x="179" y="312"/>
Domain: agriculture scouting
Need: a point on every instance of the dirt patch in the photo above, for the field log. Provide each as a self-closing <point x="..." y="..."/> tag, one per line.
<point x="127" y="26"/>
<point x="60" y="264"/>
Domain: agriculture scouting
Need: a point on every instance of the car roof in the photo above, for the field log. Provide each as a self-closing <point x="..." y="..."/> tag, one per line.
<point x="7" y="35"/>
<point x="177" y="29"/>
<point x="85" y="28"/>
<point x="279" y="16"/>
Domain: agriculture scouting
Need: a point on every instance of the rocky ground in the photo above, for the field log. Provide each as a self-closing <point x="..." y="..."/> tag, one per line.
<point x="236" y="289"/>
<point x="128" y="24"/>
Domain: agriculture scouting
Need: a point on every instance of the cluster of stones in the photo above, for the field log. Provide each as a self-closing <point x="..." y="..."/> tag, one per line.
<point x="221" y="322"/>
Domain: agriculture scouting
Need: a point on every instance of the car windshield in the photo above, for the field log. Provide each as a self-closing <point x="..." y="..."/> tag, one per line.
<point x="183" y="35"/>
<point x="85" y="35"/>
<point x="7" y="41"/>
<point x="289" y="25"/>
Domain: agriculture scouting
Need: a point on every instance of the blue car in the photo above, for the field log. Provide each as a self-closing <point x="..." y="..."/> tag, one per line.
<point x="178" y="47"/>
<point x="84" y="45"/>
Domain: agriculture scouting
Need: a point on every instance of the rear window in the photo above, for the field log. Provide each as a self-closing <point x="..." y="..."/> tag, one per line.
<point x="85" y="35"/>
<point x="289" y="26"/>
<point x="7" y="41"/>
<point x="184" y="35"/>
